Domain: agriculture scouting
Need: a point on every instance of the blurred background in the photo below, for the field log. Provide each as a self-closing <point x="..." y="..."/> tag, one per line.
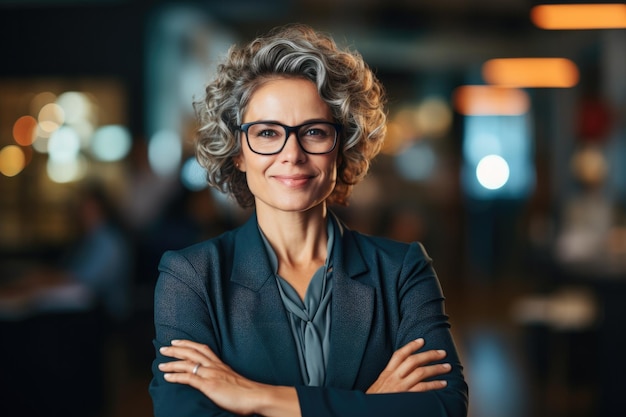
<point x="506" y="157"/>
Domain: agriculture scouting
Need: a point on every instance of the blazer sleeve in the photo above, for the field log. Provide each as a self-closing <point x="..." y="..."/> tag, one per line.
<point x="419" y="303"/>
<point x="181" y="312"/>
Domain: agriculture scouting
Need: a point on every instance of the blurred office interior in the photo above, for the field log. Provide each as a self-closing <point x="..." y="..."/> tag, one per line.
<point x="505" y="156"/>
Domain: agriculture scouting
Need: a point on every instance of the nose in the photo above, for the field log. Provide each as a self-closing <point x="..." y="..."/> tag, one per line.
<point x="292" y="151"/>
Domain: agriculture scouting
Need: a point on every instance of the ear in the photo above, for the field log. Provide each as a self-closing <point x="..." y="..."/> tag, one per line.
<point x="239" y="162"/>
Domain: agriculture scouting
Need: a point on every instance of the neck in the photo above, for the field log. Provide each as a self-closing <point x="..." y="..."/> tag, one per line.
<point x="296" y="237"/>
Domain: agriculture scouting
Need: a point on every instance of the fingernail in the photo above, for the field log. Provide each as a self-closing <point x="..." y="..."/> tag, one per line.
<point x="444" y="383"/>
<point x="441" y="352"/>
<point x="175" y="341"/>
<point x="163" y="349"/>
<point x="420" y="340"/>
<point x="447" y="366"/>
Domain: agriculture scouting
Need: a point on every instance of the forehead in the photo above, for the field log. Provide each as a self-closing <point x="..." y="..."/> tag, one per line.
<point x="286" y="99"/>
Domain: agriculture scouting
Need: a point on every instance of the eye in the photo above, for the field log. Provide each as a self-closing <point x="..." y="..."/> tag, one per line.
<point x="265" y="131"/>
<point x="317" y="131"/>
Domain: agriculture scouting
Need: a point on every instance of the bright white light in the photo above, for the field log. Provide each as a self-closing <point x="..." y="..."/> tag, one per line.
<point x="165" y="152"/>
<point x="111" y="143"/>
<point x="76" y="106"/>
<point x="64" y="145"/>
<point x="492" y="172"/>
<point x="193" y="175"/>
<point x="67" y="171"/>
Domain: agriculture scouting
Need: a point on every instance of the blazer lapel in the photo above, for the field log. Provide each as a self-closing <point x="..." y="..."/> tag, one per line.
<point x="352" y="314"/>
<point x="265" y="309"/>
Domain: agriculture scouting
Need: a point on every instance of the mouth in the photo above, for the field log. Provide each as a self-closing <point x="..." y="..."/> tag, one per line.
<point x="293" y="181"/>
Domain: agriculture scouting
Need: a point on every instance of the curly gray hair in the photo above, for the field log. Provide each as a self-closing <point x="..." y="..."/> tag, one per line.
<point x="352" y="91"/>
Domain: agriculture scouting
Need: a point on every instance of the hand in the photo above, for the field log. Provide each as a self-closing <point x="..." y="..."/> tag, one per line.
<point x="198" y="366"/>
<point x="407" y="371"/>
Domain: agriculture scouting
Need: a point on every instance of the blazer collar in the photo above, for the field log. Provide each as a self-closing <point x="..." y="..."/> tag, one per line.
<point x="251" y="267"/>
<point x="352" y="312"/>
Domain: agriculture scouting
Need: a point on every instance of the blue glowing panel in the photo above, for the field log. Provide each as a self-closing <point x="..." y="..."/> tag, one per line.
<point x="497" y="157"/>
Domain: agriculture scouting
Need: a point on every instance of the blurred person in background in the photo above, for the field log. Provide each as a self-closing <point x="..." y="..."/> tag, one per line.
<point x="95" y="272"/>
<point x="60" y="318"/>
<point x="294" y="314"/>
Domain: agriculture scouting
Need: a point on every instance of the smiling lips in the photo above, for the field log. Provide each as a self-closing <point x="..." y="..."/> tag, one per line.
<point x="293" y="181"/>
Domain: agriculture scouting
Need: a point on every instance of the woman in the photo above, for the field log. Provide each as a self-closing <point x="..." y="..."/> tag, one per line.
<point x="293" y="314"/>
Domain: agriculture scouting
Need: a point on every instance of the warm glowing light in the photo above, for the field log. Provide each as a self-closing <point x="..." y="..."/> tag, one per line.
<point x="41" y="100"/>
<point x="590" y="165"/>
<point x="579" y="16"/>
<point x="484" y="100"/>
<point x="434" y="117"/>
<point x="12" y="160"/>
<point x="51" y="117"/>
<point x="531" y="72"/>
<point x="24" y="130"/>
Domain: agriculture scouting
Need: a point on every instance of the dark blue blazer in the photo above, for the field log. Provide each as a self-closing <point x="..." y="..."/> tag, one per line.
<point x="223" y="293"/>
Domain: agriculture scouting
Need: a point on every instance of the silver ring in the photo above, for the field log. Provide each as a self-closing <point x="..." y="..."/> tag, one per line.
<point x="195" y="369"/>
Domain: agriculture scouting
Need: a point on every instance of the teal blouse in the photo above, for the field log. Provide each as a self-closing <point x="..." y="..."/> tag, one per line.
<point x="309" y="318"/>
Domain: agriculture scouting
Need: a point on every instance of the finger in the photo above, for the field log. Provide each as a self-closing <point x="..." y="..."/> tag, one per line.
<point x="418" y="360"/>
<point x="428" y="386"/>
<point x="179" y="366"/>
<point x="423" y="373"/>
<point x="183" y="378"/>
<point x="400" y="355"/>
<point x="187" y="354"/>
<point x="205" y="349"/>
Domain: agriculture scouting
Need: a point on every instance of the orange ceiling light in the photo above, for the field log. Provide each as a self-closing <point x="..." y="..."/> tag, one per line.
<point x="579" y="16"/>
<point x="531" y="72"/>
<point x="486" y="100"/>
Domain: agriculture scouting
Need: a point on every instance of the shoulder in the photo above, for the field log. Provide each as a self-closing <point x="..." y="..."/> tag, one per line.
<point x="198" y="257"/>
<point x="386" y="249"/>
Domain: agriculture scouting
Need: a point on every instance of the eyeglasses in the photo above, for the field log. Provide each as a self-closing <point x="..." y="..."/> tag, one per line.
<point x="269" y="138"/>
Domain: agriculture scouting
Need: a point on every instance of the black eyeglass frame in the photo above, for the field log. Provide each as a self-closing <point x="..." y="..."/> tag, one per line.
<point x="288" y="130"/>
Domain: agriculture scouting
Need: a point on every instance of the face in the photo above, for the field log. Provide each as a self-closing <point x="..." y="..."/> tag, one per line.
<point x="291" y="180"/>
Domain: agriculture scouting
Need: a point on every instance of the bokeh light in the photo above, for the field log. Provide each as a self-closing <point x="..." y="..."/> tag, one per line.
<point x="416" y="163"/>
<point x="67" y="171"/>
<point x="51" y="117"/>
<point x="434" y="117"/>
<point x="531" y="72"/>
<point x="492" y="172"/>
<point x="64" y="145"/>
<point x="12" y="160"/>
<point x="165" y="152"/>
<point x="193" y="175"/>
<point x="40" y="100"/>
<point x="579" y="16"/>
<point x="111" y="143"/>
<point x="76" y="106"/>
<point x="24" y="130"/>
<point x="483" y="100"/>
